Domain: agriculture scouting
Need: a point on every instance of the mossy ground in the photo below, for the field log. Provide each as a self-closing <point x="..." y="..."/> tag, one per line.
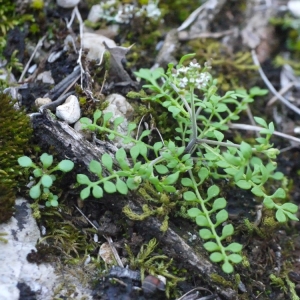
<point x="69" y="233"/>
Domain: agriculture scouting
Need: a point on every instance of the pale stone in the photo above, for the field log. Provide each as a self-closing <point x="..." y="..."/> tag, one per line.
<point x="32" y="69"/>
<point x="42" y="101"/>
<point x="94" y="42"/>
<point x="294" y="7"/>
<point x="55" y="56"/>
<point x="67" y="3"/>
<point x="42" y="279"/>
<point x="46" y="77"/>
<point x="69" y="111"/>
<point x="22" y="235"/>
<point x="120" y="107"/>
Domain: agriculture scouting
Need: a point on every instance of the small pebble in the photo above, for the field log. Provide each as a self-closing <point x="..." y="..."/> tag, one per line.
<point x="42" y="101"/>
<point x="69" y="111"/>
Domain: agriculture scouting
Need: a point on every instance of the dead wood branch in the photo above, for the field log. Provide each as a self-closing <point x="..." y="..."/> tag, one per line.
<point x="70" y="144"/>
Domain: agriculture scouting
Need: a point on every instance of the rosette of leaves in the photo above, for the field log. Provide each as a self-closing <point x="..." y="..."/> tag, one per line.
<point x="44" y="178"/>
<point x="15" y="133"/>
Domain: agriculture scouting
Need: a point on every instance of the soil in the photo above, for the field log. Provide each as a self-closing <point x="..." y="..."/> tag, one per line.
<point x="269" y="248"/>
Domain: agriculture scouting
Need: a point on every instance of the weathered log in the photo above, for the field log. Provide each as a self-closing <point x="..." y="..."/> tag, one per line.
<point x="69" y="144"/>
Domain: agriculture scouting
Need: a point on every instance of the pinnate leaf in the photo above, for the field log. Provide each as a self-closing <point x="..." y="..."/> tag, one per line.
<point x="227" y="267"/>
<point x="95" y="167"/>
<point x="131" y="127"/>
<point x="157" y="146"/>
<point x="235" y="258"/>
<point x="291" y="207"/>
<point x="107" y="116"/>
<point x="203" y="173"/>
<point x="97" y="191"/>
<point x="205" y="234"/>
<point x="85" y="192"/>
<point x="246" y="150"/>
<point x="171" y="179"/>
<point x="174" y="110"/>
<point x="234" y="247"/>
<point x="280" y="193"/>
<point x="194" y="212"/>
<point x="291" y="216"/>
<point x="243" y="184"/>
<point x="66" y="165"/>
<point x="202" y="221"/>
<point x="257" y="191"/>
<point x="189" y="196"/>
<point x="111" y="136"/>
<point x="221" y="216"/>
<point x="107" y="162"/>
<point x="118" y="121"/>
<point x="227" y="231"/>
<point x="280" y="216"/>
<point x="97" y="115"/>
<point x="132" y="183"/>
<point x="213" y="191"/>
<point x="169" y="188"/>
<point x="211" y="246"/>
<point x="268" y="203"/>
<point x="121" y="187"/>
<point x="144" y="134"/>
<point x="122" y="159"/>
<point x="219" y="135"/>
<point x="219" y="204"/>
<point x="83" y="179"/>
<point x="109" y="187"/>
<point x="216" y="257"/>
<point x="134" y="152"/>
<point x="161" y="169"/>
<point x="261" y="122"/>
<point x="187" y="182"/>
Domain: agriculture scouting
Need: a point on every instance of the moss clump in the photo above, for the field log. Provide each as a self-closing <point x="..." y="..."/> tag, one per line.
<point x="15" y="132"/>
<point x="7" y="201"/>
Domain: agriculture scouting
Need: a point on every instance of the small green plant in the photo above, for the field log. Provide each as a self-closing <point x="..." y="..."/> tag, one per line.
<point x="41" y="188"/>
<point x="147" y="262"/>
<point x="186" y="166"/>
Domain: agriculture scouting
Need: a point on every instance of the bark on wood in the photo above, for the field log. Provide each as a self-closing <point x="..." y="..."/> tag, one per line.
<point x="72" y="145"/>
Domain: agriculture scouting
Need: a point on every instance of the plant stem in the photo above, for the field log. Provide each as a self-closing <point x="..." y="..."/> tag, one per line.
<point x="192" y="143"/>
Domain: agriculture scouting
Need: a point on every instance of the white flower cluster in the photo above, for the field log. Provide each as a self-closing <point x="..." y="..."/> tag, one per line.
<point x="191" y="76"/>
<point x="113" y="10"/>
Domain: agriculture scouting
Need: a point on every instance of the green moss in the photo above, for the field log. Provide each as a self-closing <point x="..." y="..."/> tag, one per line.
<point x="147" y="262"/>
<point x="221" y="281"/>
<point x="15" y="132"/>
<point x="9" y="19"/>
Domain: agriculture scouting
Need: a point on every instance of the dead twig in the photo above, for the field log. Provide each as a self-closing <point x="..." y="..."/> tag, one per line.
<point x="38" y="45"/>
<point x="284" y="90"/>
<point x="270" y="86"/>
<point x="257" y="128"/>
<point x="108" y="238"/>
